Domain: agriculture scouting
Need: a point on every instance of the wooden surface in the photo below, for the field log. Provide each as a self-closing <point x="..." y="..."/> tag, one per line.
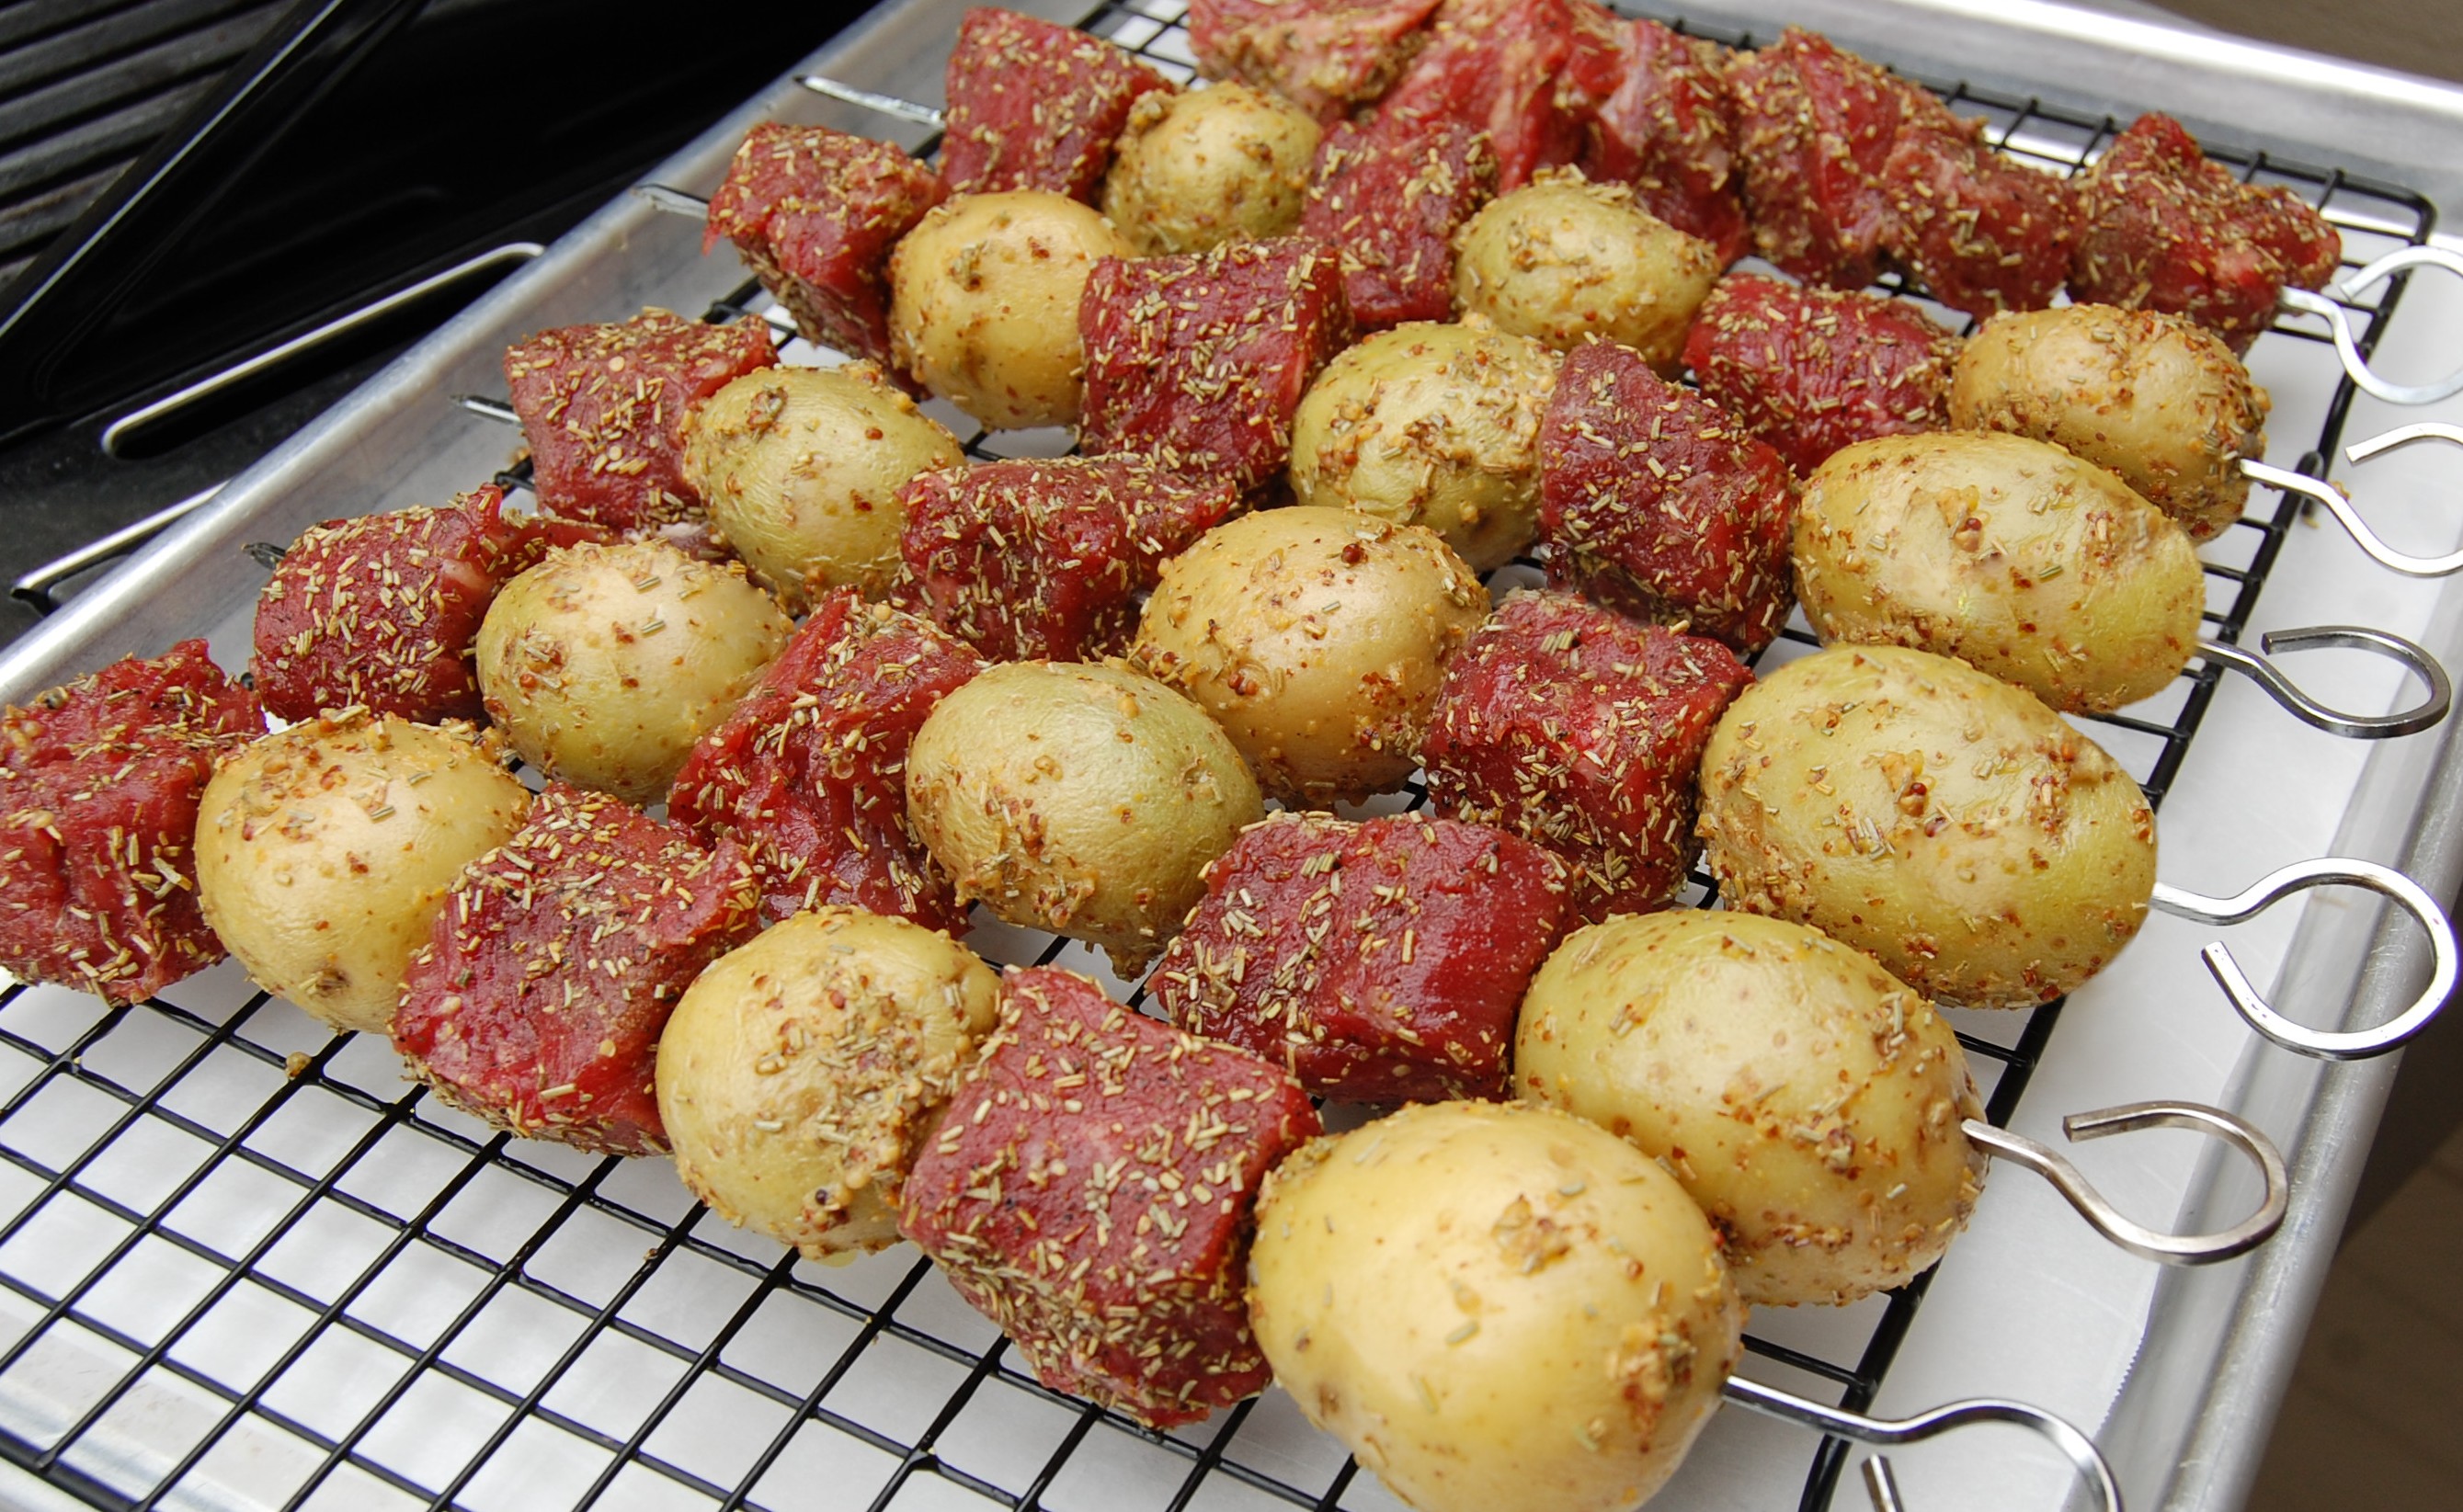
<point x="2416" y="37"/>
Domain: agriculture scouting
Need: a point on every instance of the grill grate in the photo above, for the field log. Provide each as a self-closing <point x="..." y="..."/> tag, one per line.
<point x="235" y="1243"/>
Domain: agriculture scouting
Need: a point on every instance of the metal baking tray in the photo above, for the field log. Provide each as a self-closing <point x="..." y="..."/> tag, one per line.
<point x="242" y="1264"/>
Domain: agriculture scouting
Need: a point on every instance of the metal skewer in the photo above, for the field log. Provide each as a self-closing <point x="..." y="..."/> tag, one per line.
<point x="2103" y="1492"/>
<point x="2329" y="304"/>
<point x="2339" y="504"/>
<point x="887" y="104"/>
<point x="2169" y="1249"/>
<point x="2413" y="659"/>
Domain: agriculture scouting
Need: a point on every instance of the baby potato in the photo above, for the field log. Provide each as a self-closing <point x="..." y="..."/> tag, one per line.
<point x="324" y="851"/>
<point x="2159" y="400"/>
<point x="1562" y="261"/>
<point x="983" y="306"/>
<point x="800" y="1071"/>
<point x="1083" y="798"/>
<point x="1934" y="817"/>
<point x="800" y="468"/>
<point x="1435" y="426"/>
<point x="1200" y="167"/>
<point x="2008" y="553"/>
<point x="1318" y="638"/>
<point x="1807" y="1099"/>
<point x="1496" y="1308"/>
<point x="603" y="664"/>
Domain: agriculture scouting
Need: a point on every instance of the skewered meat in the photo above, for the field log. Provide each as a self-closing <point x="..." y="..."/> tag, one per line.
<point x="1666" y="125"/>
<point x="1985" y="233"/>
<point x="1389" y="198"/>
<point x="1814" y="127"/>
<point x="1506" y="68"/>
<point x="1327" y="56"/>
<point x="1036" y="106"/>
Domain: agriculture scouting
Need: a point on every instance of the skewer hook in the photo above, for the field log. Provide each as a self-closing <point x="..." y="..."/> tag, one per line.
<point x="1884" y="1432"/>
<point x="2413" y="659"/>
<point x="2339" y="504"/>
<point x="2329" y="303"/>
<point x="2170" y="1249"/>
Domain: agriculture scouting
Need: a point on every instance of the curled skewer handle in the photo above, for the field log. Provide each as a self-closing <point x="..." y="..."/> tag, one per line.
<point x="2358" y="637"/>
<point x="2170" y="1249"/>
<point x="887" y="104"/>
<point x="674" y="202"/>
<point x="2336" y="504"/>
<point x="2350" y="1044"/>
<point x="1882" y="1432"/>
<point x="2328" y="306"/>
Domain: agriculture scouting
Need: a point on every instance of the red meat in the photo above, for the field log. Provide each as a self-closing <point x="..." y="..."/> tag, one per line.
<point x="382" y="611"/>
<point x="816" y="213"/>
<point x="808" y="772"/>
<point x="1383" y="961"/>
<point x="1028" y="559"/>
<point x="2166" y="229"/>
<point x="1815" y="127"/>
<point x="99" y="789"/>
<point x="1328" y="55"/>
<point x="1200" y="361"/>
<point x="1812" y="370"/>
<point x="1583" y="730"/>
<point x="1036" y="106"/>
<point x="1655" y="503"/>
<point x="1666" y="125"/>
<point x="538" y="1001"/>
<point x="1091" y="1191"/>
<point x="1389" y="200"/>
<point x="1514" y="69"/>
<point x="1984" y="233"/>
<point x="604" y="408"/>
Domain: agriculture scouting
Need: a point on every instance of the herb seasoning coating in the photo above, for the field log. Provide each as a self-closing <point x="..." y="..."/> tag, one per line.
<point x="1326" y="56"/>
<point x="1389" y="198"/>
<point x="1036" y="106"/>
<point x="1666" y="125"/>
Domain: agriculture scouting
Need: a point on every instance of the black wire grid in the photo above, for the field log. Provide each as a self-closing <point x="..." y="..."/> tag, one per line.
<point x="426" y="1312"/>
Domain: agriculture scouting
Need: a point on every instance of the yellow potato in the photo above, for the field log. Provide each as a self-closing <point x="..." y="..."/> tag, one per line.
<point x="1564" y="261"/>
<point x="1807" y="1099"/>
<point x="2005" y="553"/>
<point x="800" y="1072"/>
<point x="1196" y="168"/>
<point x="1937" y="819"/>
<point x="1495" y="1308"/>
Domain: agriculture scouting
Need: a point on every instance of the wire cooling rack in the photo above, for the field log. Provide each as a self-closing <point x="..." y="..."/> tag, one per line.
<point x="243" y="1263"/>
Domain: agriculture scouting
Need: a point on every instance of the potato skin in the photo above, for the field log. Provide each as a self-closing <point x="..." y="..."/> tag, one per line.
<point x="1942" y="822"/>
<point x="1318" y="638"/>
<point x="1807" y="1099"/>
<point x="1435" y="426"/>
<point x="324" y="851"/>
<point x="800" y="1071"/>
<point x="1563" y="261"/>
<point x="800" y="468"/>
<point x="1497" y="1309"/>
<point x="2155" y="398"/>
<point x="1200" y="167"/>
<point x="1083" y="798"/>
<point x="604" y="664"/>
<point x="2008" y="553"/>
<point x="984" y="303"/>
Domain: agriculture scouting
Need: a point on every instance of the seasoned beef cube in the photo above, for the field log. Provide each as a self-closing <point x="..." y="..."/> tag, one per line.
<point x="1032" y="560"/>
<point x="1812" y="370"/>
<point x="1984" y="233"/>
<point x="1576" y="727"/>
<point x="538" y="1001"/>
<point x="1815" y="127"/>
<point x="2166" y="229"/>
<point x="1199" y="361"/>
<point x="816" y="213"/>
<point x="1389" y="198"/>
<point x="382" y="611"/>
<point x="808" y="774"/>
<point x="1666" y="125"/>
<point x="1506" y="68"/>
<point x="1655" y="503"/>
<point x="99" y="788"/>
<point x="1383" y="961"/>
<point x="1328" y="56"/>
<point x="1091" y="1191"/>
<point x="1036" y="106"/>
<point x="604" y="408"/>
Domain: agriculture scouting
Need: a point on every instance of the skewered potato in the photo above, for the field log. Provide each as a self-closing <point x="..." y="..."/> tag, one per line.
<point x="604" y="664"/>
<point x="1318" y="638"/>
<point x="1805" y="1097"/>
<point x="1942" y="822"/>
<point x="1496" y="1308"/>
<point x="1201" y="167"/>
<point x="324" y="851"/>
<point x="984" y="303"/>
<point x="2008" y="553"/>
<point x="2159" y="400"/>
<point x="1564" y="261"/>
<point x="800" y="468"/>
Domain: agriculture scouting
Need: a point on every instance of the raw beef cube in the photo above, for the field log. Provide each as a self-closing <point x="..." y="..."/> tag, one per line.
<point x="1812" y="370"/>
<point x="1655" y="503"/>
<point x="99" y="788"/>
<point x="1199" y="361"/>
<point x="809" y="772"/>
<point x="1389" y="200"/>
<point x="1815" y="127"/>
<point x="1984" y="233"/>
<point x="1383" y="961"/>
<point x="1666" y="125"/>
<point x="815" y="213"/>
<point x="1577" y="729"/>
<point x="1031" y="560"/>
<point x="1508" y="68"/>
<point x="604" y="408"/>
<point x="1036" y="106"/>
<point x="1327" y="56"/>
<point x="1091" y="1191"/>
<point x="538" y="1001"/>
